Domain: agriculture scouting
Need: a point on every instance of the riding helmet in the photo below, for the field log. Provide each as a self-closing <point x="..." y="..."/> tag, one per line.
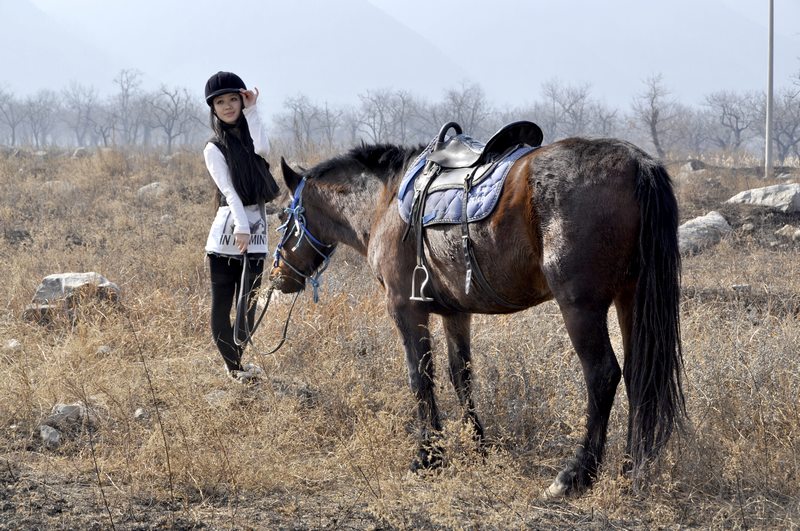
<point x="222" y="83"/>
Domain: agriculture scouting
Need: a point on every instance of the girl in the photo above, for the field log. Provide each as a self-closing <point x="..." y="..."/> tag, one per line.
<point x="237" y="242"/>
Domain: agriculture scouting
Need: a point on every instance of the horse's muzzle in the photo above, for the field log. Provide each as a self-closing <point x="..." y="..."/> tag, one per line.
<point x="286" y="282"/>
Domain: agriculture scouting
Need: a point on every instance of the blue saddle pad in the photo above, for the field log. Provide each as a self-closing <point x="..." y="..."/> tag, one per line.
<point x="445" y="206"/>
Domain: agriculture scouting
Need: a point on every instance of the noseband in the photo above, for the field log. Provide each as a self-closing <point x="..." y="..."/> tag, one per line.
<point x="296" y="219"/>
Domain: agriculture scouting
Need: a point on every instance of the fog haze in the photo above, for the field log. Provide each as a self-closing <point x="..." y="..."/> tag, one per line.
<point x="332" y="51"/>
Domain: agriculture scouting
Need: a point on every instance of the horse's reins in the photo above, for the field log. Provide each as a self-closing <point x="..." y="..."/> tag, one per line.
<point x="296" y="218"/>
<point x="242" y="307"/>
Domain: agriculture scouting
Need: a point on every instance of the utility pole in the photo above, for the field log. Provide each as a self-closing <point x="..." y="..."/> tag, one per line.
<point x="768" y="139"/>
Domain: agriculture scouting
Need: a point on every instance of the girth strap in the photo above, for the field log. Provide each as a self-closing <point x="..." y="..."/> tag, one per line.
<point x="470" y="260"/>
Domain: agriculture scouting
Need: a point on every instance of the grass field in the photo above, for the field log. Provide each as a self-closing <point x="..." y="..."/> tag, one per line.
<point x="325" y="440"/>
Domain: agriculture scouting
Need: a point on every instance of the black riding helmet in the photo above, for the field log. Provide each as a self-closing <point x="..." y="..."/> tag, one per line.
<point x="222" y="83"/>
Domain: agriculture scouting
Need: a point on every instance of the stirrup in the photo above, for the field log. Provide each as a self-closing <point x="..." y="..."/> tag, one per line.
<point x="421" y="296"/>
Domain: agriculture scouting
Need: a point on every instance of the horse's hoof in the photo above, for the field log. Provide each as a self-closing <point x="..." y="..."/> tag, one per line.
<point x="556" y="491"/>
<point x="427" y="459"/>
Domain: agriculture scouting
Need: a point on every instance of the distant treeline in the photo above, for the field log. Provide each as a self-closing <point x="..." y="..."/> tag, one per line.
<point x="169" y="118"/>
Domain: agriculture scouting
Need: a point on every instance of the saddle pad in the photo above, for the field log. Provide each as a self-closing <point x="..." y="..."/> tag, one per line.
<point x="444" y="206"/>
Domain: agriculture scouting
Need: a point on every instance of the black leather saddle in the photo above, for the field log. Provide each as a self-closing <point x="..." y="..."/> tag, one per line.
<point x="463" y="151"/>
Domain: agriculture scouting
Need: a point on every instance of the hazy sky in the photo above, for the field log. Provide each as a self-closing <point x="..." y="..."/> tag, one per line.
<point x="333" y="50"/>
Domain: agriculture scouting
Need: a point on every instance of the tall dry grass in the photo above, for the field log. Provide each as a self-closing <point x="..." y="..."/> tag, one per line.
<point x="325" y="440"/>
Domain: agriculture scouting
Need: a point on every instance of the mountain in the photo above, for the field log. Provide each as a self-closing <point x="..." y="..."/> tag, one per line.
<point x="328" y="50"/>
<point x="39" y="52"/>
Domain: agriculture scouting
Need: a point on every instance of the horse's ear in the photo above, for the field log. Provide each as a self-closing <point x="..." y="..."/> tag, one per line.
<point x="290" y="177"/>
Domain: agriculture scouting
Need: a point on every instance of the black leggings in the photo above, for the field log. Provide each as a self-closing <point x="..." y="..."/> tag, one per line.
<point x="226" y="274"/>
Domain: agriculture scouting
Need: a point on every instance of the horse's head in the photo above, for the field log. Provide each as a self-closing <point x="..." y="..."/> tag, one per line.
<point x="300" y="255"/>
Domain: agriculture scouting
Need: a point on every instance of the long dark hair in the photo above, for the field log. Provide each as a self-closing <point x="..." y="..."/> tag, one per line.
<point x="250" y="173"/>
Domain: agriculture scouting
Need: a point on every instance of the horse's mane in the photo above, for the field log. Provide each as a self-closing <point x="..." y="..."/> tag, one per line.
<point x="385" y="161"/>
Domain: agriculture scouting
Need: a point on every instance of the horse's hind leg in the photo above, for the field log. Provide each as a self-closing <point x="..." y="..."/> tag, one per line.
<point x="457" y="331"/>
<point x="588" y="330"/>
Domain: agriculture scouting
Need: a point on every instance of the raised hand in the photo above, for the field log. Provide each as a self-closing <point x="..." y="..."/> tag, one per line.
<point x="249" y="97"/>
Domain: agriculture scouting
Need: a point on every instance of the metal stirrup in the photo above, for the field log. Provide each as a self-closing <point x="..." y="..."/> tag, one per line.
<point x="421" y="296"/>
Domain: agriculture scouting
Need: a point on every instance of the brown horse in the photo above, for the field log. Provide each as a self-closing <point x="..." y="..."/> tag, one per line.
<point x="585" y="222"/>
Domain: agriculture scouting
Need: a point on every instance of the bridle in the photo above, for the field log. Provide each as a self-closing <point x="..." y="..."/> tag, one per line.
<point x="296" y="219"/>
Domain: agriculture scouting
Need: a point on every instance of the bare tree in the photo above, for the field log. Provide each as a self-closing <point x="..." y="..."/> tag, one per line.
<point x="127" y="109"/>
<point x="570" y="108"/>
<point x="301" y="121"/>
<point x="173" y="113"/>
<point x="330" y="120"/>
<point x="12" y="114"/>
<point x="735" y="114"/>
<point x="102" y="122"/>
<point x="79" y="103"/>
<point x="384" y="115"/>
<point x="786" y="124"/>
<point x="691" y="129"/>
<point x="468" y="106"/>
<point x="40" y="111"/>
<point x="654" y="109"/>
<point x="603" y="120"/>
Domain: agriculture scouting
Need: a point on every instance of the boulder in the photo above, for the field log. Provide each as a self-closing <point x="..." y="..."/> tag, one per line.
<point x="70" y="417"/>
<point x="80" y="153"/>
<point x="153" y="190"/>
<point x="50" y="436"/>
<point x="702" y="232"/>
<point x="64" y="291"/>
<point x="782" y="197"/>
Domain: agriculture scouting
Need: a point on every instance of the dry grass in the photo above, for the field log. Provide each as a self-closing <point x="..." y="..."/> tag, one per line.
<point x="325" y="441"/>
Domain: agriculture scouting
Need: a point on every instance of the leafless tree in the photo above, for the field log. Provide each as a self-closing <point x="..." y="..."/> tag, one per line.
<point x="80" y="102"/>
<point x="102" y="123"/>
<point x="786" y="123"/>
<point x="691" y="130"/>
<point x="128" y="106"/>
<point x="468" y="106"/>
<point x="173" y="113"/>
<point x="12" y="114"/>
<point x="375" y="115"/>
<point x="654" y="109"/>
<point x="603" y="120"/>
<point x="330" y="121"/>
<point x="301" y="121"/>
<point x="384" y="115"/>
<point x="41" y="110"/>
<point x="735" y="115"/>
<point x="569" y="108"/>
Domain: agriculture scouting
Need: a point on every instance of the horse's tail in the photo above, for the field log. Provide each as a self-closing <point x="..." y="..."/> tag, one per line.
<point x="653" y="367"/>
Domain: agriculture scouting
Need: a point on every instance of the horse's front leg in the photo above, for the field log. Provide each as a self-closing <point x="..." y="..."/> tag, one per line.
<point x="412" y="323"/>
<point x="457" y="331"/>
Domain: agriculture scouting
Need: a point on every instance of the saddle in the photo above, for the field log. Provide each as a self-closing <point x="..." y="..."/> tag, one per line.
<point x="463" y="151"/>
<point x="461" y="162"/>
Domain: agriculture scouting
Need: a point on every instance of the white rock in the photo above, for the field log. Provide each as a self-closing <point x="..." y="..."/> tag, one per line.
<point x="787" y="231"/>
<point x="141" y="414"/>
<point x="782" y="197"/>
<point x="702" y="232"/>
<point x="153" y="190"/>
<point x="12" y="345"/>
<point x="50" y="436"/>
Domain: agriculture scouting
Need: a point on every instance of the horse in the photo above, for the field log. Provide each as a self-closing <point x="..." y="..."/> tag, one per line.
<point x="586" y="222"/>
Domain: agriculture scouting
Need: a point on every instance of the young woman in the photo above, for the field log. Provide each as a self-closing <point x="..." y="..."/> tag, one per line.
<point x="237" y="242"/>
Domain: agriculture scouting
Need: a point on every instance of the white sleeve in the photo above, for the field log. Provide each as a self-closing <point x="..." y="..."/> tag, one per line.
<point x="218" y="168"/>
<point x="257" y="130"/>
